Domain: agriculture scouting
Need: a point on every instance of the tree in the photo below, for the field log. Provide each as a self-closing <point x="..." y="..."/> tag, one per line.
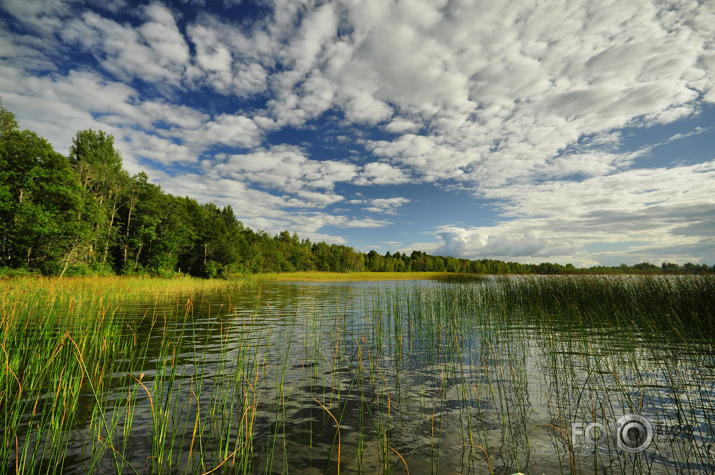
<point x="142" y="206"/>
<point x="175" y="235"/>
<point x="41" y="205"/>
<point x="99" y="167"/>
<point x="8" y="123"/>
<point x="94" y="158"/>
<point x="221" y="248"/>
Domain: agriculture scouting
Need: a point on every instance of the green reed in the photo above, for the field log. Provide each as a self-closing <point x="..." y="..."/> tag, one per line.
<point x="71" y="343"/>
<point x="607" y="358"/>
<point x="570" y="317"/>
<point x="471" y="375"/>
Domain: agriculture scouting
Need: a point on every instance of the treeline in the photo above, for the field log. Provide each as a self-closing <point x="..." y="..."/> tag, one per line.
<point x="419" y="261"/>
<point x="84" y="214"/>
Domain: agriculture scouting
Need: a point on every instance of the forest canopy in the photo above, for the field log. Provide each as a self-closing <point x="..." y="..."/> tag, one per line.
<point x="84" y="214"/>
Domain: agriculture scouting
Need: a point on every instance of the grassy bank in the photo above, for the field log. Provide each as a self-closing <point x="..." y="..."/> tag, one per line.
<point x="121" y="286"/>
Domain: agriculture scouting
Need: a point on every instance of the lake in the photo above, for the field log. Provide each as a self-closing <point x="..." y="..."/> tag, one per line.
<point x="488" y="375"/>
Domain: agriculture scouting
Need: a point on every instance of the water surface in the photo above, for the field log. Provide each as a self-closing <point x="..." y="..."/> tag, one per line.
<point x="435" y="376"/>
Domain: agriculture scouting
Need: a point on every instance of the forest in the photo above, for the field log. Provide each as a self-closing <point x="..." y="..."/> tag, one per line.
<point x="84" y="214"/>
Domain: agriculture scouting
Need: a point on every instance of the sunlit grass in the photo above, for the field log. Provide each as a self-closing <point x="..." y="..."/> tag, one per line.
<point x="120" y="286"/>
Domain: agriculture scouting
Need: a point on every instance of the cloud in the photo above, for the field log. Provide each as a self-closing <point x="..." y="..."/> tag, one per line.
<point x="666" y="208"/>
<point x="382" y="205"/>
<point x="217" y="67"/>
<point x="505" y="87"/>
<point x="162" y="34"/>
<point x="424" y="156"/>
<point x="258" y="209"/>
<point x="360" y="223"/>
<point x="59" y="105"/>
<point x="23" y="51"/>
<point x="225" y="129"/>
<point x="314" y="199"/>
<point x="363" y="107"/>
<point x="289" y="170"/>
<point x="479" y="243"/>
<point x="318" y="29"/>
<point x="378" y="173"/>
<point x="525" y="105"/>
<point x="159" y="149"/>
<point x="45" y="16"/>
<point x="494" y="84"/>
<point x="167" y="115"/>
<point x="401" y="125"/>
<point x="155" y="51"/>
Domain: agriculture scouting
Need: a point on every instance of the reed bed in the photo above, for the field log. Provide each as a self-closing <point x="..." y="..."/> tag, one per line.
<point x="75" y="362"/>
<point x="470" y="376"/>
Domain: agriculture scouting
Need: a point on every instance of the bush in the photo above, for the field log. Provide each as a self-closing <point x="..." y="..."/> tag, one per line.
<point x="6" y="272"/>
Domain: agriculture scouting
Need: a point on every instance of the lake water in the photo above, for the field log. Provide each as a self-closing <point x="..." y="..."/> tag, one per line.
<point x="421" y="374"/>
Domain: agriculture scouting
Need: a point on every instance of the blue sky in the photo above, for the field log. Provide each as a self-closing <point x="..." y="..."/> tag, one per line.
<point x="532" y="131"/>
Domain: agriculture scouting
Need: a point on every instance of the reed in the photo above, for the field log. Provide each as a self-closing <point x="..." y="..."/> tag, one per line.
<point x="136" y="375"/>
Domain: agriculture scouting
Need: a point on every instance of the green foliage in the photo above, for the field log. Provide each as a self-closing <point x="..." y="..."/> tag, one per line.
<point x="83" y="214"/>
<point x="41" y="202"/>
<point x="15" y="272"/>
<point x="7" y="121"/>
<point x="98" y="166"/>
<point x="95" y="159"/>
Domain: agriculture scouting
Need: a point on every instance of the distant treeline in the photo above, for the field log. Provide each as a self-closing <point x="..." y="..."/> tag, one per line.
<point x="84" y="214"/>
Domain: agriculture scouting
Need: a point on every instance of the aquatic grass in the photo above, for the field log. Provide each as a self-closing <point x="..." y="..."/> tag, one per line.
<point x="337" y="425"/>
<point x="407" y="375"/>
<point x="569" y="310"/>
<point x="637" y="338"/>
<point x="56" y="314"/>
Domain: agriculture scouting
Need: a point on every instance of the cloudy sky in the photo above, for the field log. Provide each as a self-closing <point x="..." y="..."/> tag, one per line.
<point x="567" y="131"/>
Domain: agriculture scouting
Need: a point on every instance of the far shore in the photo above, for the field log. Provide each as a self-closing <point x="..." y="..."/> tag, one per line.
<point x="317" y="276"/>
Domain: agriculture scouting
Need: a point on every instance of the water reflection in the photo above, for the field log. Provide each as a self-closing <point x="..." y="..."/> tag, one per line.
<point x="426" y="374"/>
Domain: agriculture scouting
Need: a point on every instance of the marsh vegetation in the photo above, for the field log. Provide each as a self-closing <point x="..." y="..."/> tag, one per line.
<point x="466" y="376"/>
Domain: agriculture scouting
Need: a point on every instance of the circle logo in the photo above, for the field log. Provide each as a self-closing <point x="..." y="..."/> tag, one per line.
<point x="635" y="433"/>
